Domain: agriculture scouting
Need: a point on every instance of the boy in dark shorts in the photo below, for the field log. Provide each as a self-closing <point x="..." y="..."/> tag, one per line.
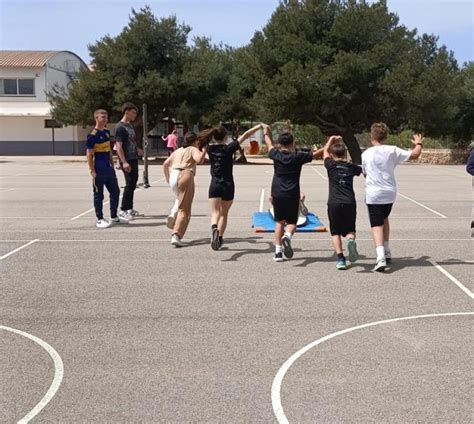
<point x="342" y="208"/>
<point x="378" y="165"/>
<point x="287" y="165"/>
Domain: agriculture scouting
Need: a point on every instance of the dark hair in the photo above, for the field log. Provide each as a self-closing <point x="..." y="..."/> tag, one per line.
<point x="189" y="138"/>
<point x="205" y="136"/>
<point x="128" y="106"/>
<point x="338" y="150"/>
<point x="285" y="139"/>
<point x="379" y="131"/>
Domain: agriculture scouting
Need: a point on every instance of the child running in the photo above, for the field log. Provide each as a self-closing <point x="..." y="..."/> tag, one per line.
<point x="287" y="165"/>
<point x="183" y="166"/>
<point x="342" y="208"/>
<point x="378" y="166"/>
<point x="222" y="187"/>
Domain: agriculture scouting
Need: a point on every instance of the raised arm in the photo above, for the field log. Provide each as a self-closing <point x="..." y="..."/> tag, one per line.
<point x="249" y="133"/>
<point x="332" y="140"/>
<point x="318" y="153"/>
<point x="417" y="140"/>
<point x="201" y="155"/>
<point x="267" y="132"/>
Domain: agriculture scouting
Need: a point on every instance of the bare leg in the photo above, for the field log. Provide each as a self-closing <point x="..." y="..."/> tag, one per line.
<point x="337" y="243"/>
<point x="279" y="231"/>
<point x="216" y="204"/>
<point x="386" y="230"/>
<point x="224" y="213"/>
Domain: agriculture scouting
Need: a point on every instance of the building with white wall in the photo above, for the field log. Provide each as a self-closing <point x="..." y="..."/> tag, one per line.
<point x="26" y="78"/>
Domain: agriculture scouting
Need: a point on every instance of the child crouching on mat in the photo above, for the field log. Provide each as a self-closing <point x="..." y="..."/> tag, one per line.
<point x="285" y="193"/>
<point x="342" y="208"/>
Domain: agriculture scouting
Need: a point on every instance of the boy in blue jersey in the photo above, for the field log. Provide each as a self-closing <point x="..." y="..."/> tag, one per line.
<point x="101" y="166"/>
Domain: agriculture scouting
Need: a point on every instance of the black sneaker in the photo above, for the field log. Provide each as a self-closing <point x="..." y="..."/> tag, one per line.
<point x="287" y="249"/>
<point x="278" y="257"/>
<point x="215" y="239"/>
<point x="221" y="241"/>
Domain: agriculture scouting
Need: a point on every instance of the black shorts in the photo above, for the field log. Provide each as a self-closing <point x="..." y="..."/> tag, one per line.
<point x="286" y="209"/>
<point x="222" y="188"/>
<point x="378" y="213"/>
<point x="342" y="218"/>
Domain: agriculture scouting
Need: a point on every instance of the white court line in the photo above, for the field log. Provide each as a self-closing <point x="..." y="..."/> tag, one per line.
<point x="106" y="203"/>
<point x="262" y="197"/>
<point x="58" y="373"/>
<point x="422" y="205"/>
<point x="6" y="189"/>
<point x="319" y="173"/>
<point x="30" y="173"/>
<point x="18" y="249"/>
<point x="299" y="240"/>
<point x="276" y="386"/>
<point x="453" y="279"/>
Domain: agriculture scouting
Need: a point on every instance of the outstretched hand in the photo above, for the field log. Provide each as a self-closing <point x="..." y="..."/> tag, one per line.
<point x="417" y="139"/>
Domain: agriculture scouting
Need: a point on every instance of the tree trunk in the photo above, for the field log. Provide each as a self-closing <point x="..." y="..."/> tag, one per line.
<point x="328" y="129"/>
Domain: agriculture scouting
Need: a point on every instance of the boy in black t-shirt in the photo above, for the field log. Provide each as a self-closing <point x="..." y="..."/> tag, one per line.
<point x="342" y="209"/>
<point x="287" y="165"/>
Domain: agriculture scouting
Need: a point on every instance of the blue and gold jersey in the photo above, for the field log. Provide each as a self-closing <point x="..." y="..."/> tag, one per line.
<point x="99" y="142"/>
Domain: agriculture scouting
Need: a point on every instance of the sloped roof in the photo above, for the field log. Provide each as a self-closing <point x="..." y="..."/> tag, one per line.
<point x="28" y="58"/>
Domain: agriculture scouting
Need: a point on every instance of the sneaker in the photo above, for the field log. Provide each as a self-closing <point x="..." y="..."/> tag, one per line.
<point x="221" y="241"/>
<point x="102" y="223"/>
<point x="176" y="241"/>
<point x="352" y="248"/>
<point x="388" y="256"/>
<point x="118" y="220"/>
<point x="126" y="215"/>
<point x="133" y="212"/>
<point x="215" y="239"/>
<point x="341" y="264"/>
<point x="287" y="249"/>
<point x="278" y="257"/>
<point x="170" y="221"/>
<point x="380" y="265"/>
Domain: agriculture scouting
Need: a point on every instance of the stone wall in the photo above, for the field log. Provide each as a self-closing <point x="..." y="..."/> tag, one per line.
<point x="444" y="156"/>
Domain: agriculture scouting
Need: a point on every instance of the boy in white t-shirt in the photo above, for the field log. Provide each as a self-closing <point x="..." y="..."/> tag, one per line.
<point x="378" y="166"/>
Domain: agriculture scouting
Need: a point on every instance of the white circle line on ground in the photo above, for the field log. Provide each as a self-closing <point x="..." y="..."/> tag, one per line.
<point x="58" y="373"/>
<point x="276" y="386"/>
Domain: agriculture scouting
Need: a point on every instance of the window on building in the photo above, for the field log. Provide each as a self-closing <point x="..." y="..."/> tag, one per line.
<point x="17" y="87"/>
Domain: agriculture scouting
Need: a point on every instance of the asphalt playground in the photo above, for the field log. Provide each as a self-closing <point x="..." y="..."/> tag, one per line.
<point x="117" y="326"/>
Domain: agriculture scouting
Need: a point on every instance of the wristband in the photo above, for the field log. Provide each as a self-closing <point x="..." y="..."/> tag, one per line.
<point x="419" y="144"/>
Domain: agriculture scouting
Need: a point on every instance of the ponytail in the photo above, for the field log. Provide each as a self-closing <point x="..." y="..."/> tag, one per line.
<point x="205" y="136"/>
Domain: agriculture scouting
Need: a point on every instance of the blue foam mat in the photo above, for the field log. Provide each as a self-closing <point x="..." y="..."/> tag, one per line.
<point x="263" y="222"/>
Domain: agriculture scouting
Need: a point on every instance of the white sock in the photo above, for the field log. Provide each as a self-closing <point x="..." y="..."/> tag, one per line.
<point x="386" y="246"/>
<point x="288" y="234"/>
<point x="380" y="252"/>
<point x="278" y="248"/>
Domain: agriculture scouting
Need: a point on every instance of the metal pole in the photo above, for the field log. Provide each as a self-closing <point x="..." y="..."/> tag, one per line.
<point x="145" y="183"/>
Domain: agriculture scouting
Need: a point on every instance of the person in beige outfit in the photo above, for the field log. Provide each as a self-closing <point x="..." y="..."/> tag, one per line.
<point x="179" y="170"/>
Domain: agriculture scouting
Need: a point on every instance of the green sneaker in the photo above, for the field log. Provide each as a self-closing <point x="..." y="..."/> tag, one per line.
<point x="352" y="248"/>
<point x="341" y="264"/>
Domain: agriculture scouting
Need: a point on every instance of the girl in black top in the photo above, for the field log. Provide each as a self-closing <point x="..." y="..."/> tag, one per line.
<point x="222" y="188"/>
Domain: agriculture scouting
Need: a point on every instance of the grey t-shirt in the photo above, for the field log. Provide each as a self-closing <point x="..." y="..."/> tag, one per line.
<point x="125" y="134"/>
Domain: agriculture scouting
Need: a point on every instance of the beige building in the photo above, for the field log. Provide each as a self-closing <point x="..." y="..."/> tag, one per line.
<point x="26" y="126"/>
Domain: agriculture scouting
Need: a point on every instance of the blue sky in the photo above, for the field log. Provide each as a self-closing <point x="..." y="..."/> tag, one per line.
<point x="73" y="24"/>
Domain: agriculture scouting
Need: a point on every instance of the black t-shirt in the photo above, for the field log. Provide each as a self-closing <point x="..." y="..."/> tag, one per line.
<point x="125" y="134"/>
<point x="287" y="166"/>
<point x="341" y="178"/>
<point x="221" y="157"/>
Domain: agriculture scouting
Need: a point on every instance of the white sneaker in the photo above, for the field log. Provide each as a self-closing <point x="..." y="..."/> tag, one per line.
<point x="170" y="221"/>
<point x="176" y="241"/>
<point x="125" y="215"/>
<point x="380" y="265"/>
<point x="102" y="223"/>
<point x="133" y="212"/>
<point x="118" y="220"/>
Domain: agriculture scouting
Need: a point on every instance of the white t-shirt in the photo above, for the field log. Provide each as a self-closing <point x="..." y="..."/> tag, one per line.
<point x="378" y="166"/>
